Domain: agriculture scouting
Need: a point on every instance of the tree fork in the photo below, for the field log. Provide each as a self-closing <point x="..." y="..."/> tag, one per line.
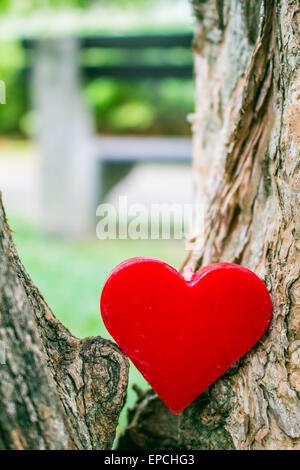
<point x="246" y="167"/>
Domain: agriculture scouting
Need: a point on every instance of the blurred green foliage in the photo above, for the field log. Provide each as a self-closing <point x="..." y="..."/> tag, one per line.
<point x="25" y="5"/>
<point x="119" y="106"/>
<point x="147" y="107"/>
<point x="37" y="18"/>
<point x="11" y="62"/>
<point x="154" y="107"/>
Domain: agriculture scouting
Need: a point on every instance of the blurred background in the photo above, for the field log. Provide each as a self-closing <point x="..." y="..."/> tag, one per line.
<point x="97" y="98"/>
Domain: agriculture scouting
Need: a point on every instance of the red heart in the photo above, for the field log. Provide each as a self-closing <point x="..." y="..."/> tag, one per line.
<point x="182" y="335"/>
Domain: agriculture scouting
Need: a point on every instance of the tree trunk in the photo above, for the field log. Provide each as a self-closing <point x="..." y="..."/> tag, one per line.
<point x="246" y="165"/>
<point x="56" y="391"/>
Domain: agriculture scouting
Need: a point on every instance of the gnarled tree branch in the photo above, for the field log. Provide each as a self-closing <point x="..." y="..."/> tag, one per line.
<point x="56" y="391"/>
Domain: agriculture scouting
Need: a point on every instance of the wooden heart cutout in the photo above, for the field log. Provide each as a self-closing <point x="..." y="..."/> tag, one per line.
<point x="182" y="335"/>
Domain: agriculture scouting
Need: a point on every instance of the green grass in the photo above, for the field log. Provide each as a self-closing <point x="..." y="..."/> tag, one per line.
<point x="71" y="274"/>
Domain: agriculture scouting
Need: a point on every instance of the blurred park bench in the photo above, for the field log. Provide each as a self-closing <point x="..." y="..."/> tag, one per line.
<point x="78" y="168"/>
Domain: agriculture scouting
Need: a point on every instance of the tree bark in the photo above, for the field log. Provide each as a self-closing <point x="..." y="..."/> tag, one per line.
<point x="56" y="391"/>
<point x="246" y="166"/>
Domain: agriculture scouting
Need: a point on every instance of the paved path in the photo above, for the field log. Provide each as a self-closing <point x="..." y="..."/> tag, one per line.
<point x="147" y="183"/>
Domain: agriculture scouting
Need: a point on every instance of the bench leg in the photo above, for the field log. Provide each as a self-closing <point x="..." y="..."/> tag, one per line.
<point x="68" y="173"/>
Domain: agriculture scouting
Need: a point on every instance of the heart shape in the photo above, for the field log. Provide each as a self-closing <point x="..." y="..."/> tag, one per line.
<point x="182" y="335"/>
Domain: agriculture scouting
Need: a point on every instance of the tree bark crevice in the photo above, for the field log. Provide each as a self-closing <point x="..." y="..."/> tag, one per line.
<point x="246" y="167"/>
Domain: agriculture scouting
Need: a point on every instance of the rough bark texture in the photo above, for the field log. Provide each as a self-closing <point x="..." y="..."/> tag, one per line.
<point x="246" y="161"/>
<point x="56" y="391"/>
